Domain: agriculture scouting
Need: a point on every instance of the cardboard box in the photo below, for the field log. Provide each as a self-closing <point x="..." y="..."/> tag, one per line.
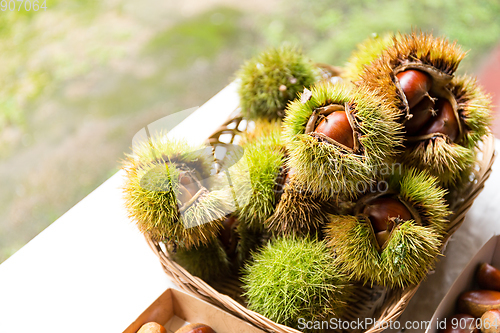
<point x="174" y="309"/>
<point x="489" y="253"/>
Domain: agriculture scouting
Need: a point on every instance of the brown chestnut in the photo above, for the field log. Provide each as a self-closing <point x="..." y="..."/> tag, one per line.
<point x="228" y="235"/>
<point x="415" y="84"/>
<point x="382" y="237"/>
<point x="488" y="277"/>
<point x="460" y="323"/>
<point x="195" y="328"/>
<point x="490" y="322"/>
<point x="444" y="122"/>
<point x="188" y="182"/>
<point x="477" y="302"/>
<point x="183" y="195"/>
<point x="422" y="112"/>
<point x="152" y="327"/>
<point x="336" y="126"/>
<point x="382" y="210"/>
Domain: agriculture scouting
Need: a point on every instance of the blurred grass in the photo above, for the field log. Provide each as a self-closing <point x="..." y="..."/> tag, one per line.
<point x="79" y="80"/>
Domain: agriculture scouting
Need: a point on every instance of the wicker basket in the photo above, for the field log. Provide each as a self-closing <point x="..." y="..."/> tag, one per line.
<point x="377" y="302"/>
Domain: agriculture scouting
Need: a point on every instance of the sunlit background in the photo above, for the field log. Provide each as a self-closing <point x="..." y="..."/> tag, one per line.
<point x="79" y="79"/>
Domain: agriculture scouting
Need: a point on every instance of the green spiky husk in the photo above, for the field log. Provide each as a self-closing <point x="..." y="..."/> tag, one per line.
<point x="474" y="108"/>
<point x="410" y="252"/>
<point x="415" y="48"/>
<point x="326" y="169"/>
<point x="293" y="278"/>
<point x="443" y="159"/>
<point x="209" y="262"/>
<point x="297" y="213"/>
<point x="422" y="191"/>
<point x="262" y="128"/>
<point x="426" y="49"/>
<point x="254" y="179"/>
<point x="151" y="192"/>
<point x="248" y="241"/>
<point x="262" y="76"/>
<point x="366" y="52"/>
<point x="450" y="162"/>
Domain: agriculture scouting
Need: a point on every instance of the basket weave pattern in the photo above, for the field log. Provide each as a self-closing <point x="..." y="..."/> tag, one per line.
<point x="383" y="304"/>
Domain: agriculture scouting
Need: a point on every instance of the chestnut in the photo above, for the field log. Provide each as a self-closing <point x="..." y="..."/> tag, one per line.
<point x="460" y="323"/>
<point x="444" y="122"/>
<point x="382" y="237"/>
<point x="422" y="113"/>
<point x="490" y="321"/>
<point x="188" y="182"/>
<point x="415" y="84"/>
<point x="227" y="235"/>
<point x="195" y="328"/>
<point x="488" y="277"/>
<point x="152" y="327"/>
<point x="336" y="126"/>
<point x="381" y="211"/>
<point x="187" y="187"/>
<point x="184" y="195"/>
<point x="477" y="302"/>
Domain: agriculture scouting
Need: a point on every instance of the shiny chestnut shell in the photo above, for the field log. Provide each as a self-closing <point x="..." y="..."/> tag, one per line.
<point x="336" y="126"/>
<point x="195" y="328"/>
<point x="444" y="122"/>
<point x="422" y="113"/>
<point x="477" y="302"/>
<point x="380" y="211"/>
<point x="152" y="327"/>
<point x="488" y="277"/>
<point x="415" y="84"/>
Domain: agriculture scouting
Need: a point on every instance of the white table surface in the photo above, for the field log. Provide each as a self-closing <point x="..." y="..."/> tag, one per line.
<point x="92" y="271"/>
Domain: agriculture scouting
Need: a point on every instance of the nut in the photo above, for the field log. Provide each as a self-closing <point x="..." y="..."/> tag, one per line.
<point x="477" y="302"/>
<point x="337" y="127"/>
<point x="488" y="277"/>
<point x="152" y="327"/>
<point x="415" y="84"/>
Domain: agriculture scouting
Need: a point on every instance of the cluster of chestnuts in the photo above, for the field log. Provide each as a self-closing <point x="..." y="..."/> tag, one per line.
<point x="478" y="310"/>
<point x="343" y="178"/>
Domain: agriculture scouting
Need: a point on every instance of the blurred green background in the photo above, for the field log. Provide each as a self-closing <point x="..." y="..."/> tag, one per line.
<point x="78" y="80"/>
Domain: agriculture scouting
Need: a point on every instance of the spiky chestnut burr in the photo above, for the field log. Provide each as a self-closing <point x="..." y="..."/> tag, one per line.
<point x="338" y="137"/>
<point x="446" y="144"/>
<point x="209" y="261"/>
<point x="165" y="195"/>
<point x="294" y="278"/>
<point x="392" y="238"/>
<point x="271" y="79"/>
<point x="261" y="179"/>
<point x="254" y="178"/>
<point x="366" y="51"/>
<point x="297" y="212"/>
<point x="259" y="128"/>
<point x="416" y="73"/>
